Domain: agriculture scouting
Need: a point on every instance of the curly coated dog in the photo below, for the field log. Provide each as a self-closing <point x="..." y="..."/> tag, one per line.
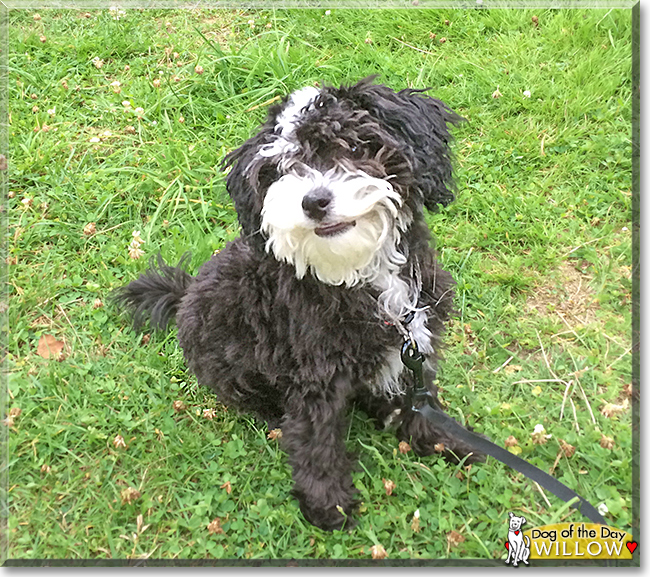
<point x="308" y="310"/>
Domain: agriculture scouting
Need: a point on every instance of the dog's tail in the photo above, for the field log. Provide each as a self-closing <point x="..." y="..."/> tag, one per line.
<point x="156" y="293"/>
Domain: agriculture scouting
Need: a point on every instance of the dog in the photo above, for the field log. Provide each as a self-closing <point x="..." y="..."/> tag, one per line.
<point x="518" y="550"/>
<point x="307" y="311"/>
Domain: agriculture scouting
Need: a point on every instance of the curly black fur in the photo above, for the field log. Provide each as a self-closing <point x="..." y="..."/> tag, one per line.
<point x="156" y="294"/>
<point x="296" y="351"/>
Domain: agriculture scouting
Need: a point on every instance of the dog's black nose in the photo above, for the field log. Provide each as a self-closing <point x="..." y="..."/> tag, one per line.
<point x="315" y="203"/>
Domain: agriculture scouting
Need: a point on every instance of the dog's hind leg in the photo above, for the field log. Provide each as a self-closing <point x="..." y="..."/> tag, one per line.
<point x="383" y="411"/>
<point x="427" y="437"/>
<point x="313" y="436"/>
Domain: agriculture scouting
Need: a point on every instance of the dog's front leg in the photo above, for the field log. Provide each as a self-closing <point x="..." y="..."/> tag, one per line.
<point x="313" y="435"/>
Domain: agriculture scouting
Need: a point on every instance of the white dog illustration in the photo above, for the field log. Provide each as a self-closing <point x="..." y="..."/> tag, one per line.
<point x="517" y="549"/>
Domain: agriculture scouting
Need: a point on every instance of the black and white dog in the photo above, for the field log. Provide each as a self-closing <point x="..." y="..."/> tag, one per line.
<point x="307" y="311"/>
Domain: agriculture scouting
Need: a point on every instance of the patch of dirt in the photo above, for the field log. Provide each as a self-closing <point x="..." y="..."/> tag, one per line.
<point x="568" y="292"/>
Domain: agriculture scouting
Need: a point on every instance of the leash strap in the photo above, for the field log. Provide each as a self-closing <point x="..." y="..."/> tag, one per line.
<point x="421" y="401"/>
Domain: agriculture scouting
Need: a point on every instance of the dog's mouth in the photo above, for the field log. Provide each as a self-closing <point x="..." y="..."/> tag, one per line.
<point x="334" y="229"/>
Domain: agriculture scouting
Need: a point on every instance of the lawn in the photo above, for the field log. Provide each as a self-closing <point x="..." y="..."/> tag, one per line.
<point x="118" y="121"/>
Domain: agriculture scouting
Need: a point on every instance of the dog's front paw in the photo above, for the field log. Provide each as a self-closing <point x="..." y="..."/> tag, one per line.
<point x="327" y="506"/>
<point x="330" y="519"/>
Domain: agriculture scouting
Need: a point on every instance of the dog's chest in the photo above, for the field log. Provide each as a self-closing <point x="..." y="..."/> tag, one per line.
<point x="398" y="302"/>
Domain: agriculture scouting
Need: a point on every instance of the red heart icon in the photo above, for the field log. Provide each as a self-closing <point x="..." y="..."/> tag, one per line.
<point x="631" y="546"/>
<point x="507" y="545"/>
<point x="516" y="532"/>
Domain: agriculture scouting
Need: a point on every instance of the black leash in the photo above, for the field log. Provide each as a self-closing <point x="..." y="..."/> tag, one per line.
<point x="421" y="401"/>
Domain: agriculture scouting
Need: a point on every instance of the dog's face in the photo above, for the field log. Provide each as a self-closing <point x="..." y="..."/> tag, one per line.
<point x="335" y="176"/>
<point x="516" y="522"/>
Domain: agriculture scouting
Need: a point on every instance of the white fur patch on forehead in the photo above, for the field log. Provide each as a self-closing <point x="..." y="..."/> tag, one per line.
<point x="298" y="101"/>
<point x="287" y="121"/>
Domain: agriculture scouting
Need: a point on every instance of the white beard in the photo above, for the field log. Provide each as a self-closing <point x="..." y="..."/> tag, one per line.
<point x="359" y="254"/>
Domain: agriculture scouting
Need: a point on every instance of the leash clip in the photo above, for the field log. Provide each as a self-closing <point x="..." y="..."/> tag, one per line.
<point x="417" y="395"/>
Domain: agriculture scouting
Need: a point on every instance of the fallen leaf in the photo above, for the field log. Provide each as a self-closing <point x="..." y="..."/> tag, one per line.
<point x="227" y="486"/>
<point x="606" y="442"/>
<point x="11" y="416"/>
<point x="454" y="538"/>
<point x="178" y="406"/>
<point x="404" y="447"/>
<point x="389" y="486"/>
<point x="129" y="495"/>
<point x="274" y="434"/>
<point x="610" y="410"/>
<point x="90" y="229"/>
<point x="511" y="441"/>
<point x="567" y="449"/>
<point x="139" y="522"/>
<point x="439" y="447"/>
<point x="118" y="442"/>
<point x="215" y="527"/>
<point x="49" y="346"/>
<point x="378" y="552"/>
<point x="537" y="391"/>
<point x="209" y="414"/>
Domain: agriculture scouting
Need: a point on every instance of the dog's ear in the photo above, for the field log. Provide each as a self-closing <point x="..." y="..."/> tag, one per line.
<point x="243" y="180"/>
<point x="523" y="520"/>
<point x="511" y="515"/>
<point x="420" y="124"/>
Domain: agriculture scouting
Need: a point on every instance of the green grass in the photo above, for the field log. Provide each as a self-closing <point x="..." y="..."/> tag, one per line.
<point x="538" y="240"/>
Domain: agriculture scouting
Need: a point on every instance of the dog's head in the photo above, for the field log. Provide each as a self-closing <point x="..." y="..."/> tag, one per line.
<point x="516" y="522"/>
<point x="335" y="176"/>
